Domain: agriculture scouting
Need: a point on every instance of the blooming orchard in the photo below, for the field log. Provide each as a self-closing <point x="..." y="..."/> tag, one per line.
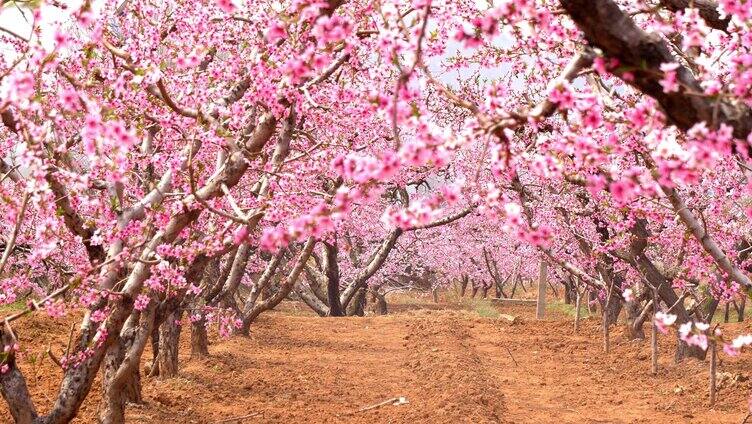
<point x="161" y="160"/>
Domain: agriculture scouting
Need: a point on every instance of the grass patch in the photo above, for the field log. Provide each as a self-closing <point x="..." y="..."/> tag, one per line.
<point x="564" y="309"/>
<point x="10" y="308"/>
<point x="484" y="308"/>
<point x="720" y="313"/>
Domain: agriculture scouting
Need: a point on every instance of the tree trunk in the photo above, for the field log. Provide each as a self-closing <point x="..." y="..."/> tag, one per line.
<point x="567" y="292"/>
<point x="463" y="285"/>
<point x="634" y="330"/>
<point x="377" y="302"/>
<point x="742" y="304"/>
<point x="612" y="308"/>
<point x="435" y="294"/>
<point x="540" y="309"/>
<point x="357" y="304"/>
<point x="169" y="343"/>
<point x="484" y="291"/>
<point x="331" y="269"/>
<point x="522" y="283"/>
<point x="309" y="297"/>
<point x="121" y="381"/>
<point x="710" y="307"/>
<point x="592" y="302"/>
<point x="199" y="339"/>
<point x="115" y="395"/>
<point x="13" y="384"/>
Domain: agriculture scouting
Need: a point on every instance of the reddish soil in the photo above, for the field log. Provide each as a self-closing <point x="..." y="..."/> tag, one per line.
<point x="451" y="365"/>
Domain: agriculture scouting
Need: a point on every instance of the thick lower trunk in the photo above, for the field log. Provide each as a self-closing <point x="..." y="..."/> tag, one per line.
<point x="169" y="343"/>
<point x="332" y="281"/>
<point x="740" y="309"/>
<point x="335" y="306"/>
<point x="116" y="397"/>
<point x="309" y="298"/>
<point x="463" y="286"/>
<point x="13" y="385"/>
<point x="121" y="375"/>
<point x="377" y="303"/>
<point x="244" y="329"/>
<point x="357" y="304"/>
<point x="612" y="309"/>
<point x="633" y="327"/>
<point x="199" y="339"/>
<point x="592" y="302"/>
<point x="567" y="293"/>
<point x="710" y="307"/>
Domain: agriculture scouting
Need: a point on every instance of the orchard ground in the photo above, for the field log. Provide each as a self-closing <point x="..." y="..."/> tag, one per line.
<point x="455" y="361"/>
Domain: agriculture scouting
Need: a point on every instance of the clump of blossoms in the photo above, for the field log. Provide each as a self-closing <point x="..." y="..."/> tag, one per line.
<point x="698" y="334"/>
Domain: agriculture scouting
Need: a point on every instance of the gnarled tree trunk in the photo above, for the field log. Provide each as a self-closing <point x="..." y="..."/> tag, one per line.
<point x="169" y="344"/>
<point x="199" y="339"/>
<point x="121" y="382"/>
<point x="377" y="302"/>
<point x="357" y="304"/>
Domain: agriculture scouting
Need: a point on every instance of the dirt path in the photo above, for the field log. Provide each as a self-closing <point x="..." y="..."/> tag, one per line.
<point x="451" y="366"/>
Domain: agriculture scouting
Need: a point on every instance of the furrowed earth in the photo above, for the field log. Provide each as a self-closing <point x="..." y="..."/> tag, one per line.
<point x="451" y="362"/>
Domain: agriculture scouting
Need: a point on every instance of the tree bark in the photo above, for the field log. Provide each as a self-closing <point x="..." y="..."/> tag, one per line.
<point x="740" y="309"/>
<point x="633" y="327"/>
<point x="121" y="381"/>
<point x="377" y="302"/>
<point x="641" y="54"/>
<point x="484" y="291"/>
<point x="13" y="384"/>
<point x="567" y="291"/>
<point x="377" y="260"/>
<point x="331" y="269"/>
<point x="309" y="298"/>
<point x="253" y="310"/>
<point x="199" y="339"/>
<point x="169" y="344"/>
<point x="357" y="304"/>
<point x="666" y="293"/>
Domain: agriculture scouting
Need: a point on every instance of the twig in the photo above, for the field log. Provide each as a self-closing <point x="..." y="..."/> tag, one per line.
<point x="242" y="417"/>
<point x="53" y="357"/>
<point x="512" y="356"/>
<point x="70" y="340"/>
<point x="12" y="241"/>
<point x="378" y="405"/>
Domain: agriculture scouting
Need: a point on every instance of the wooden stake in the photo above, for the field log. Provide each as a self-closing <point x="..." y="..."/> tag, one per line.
<point x="242" y="417"/>
<point x="390" y="401"/>
<point x="713" y="366"/>
<point x="654" y="336"/>
<point x="540" y="311"/>
<point x="606" y="340"/>
<point x="577" y="311"/>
